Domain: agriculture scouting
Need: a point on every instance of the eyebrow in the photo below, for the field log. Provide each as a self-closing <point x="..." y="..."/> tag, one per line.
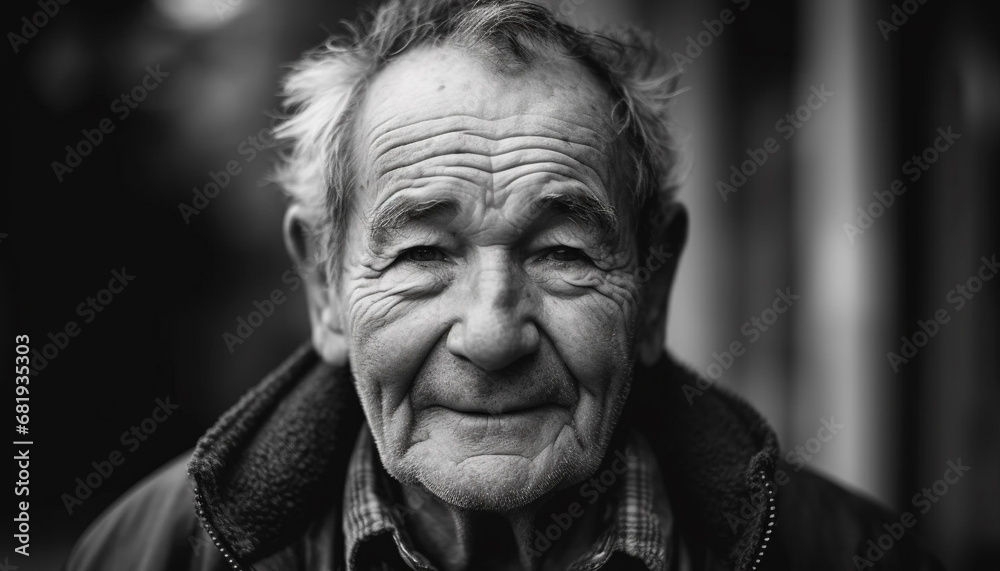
<point x="399" y="212"/>
<point x="581" y="209"/>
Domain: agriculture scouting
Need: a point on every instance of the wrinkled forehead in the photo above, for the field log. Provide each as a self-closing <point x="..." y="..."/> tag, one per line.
<point x="432" y="96"/>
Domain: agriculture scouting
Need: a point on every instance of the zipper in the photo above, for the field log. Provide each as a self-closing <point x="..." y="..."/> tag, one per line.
<point x="414" y="560"/>
<point x="766" y="536"/>
<point x="199" y="502"/>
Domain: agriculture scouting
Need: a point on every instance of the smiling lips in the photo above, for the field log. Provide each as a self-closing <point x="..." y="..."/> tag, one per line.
<point x="533" y="386"/>
<point x="514" y="427"/>
<point x="501" y="410"/>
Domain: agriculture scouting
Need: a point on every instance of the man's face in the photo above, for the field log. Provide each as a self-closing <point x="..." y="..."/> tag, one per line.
<point x="490" y="309"/>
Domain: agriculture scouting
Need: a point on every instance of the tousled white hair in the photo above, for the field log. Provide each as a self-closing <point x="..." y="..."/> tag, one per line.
<point x="324" y="90"/>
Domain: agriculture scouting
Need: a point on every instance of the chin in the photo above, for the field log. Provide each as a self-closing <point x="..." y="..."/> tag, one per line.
<point x="499" y="482"/>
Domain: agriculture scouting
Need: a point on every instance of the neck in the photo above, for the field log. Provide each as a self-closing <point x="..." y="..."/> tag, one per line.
<point x="457" y="539"/>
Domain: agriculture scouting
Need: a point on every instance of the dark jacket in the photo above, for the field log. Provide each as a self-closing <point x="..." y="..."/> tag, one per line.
<point x="263" y="488"/>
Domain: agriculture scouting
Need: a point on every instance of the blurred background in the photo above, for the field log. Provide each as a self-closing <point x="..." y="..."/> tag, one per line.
<point x="174" y="190"/>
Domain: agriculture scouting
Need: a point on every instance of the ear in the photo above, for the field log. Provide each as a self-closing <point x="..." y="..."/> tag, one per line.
<point x="325" y="308"/>
<point x="667" y="238"/>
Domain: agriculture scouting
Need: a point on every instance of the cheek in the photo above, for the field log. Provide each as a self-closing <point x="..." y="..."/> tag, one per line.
<point x="390" y="335"/>
<point x="594" y="333"/>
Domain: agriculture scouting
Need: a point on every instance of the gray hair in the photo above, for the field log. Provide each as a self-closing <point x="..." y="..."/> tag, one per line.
<point x="326" y="87"/>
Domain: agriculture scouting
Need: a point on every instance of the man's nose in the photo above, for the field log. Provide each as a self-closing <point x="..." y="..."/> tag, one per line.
<point x="496" y="327"/>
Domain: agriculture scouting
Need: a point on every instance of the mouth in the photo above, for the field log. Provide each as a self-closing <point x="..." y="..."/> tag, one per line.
<point x="497" y="411"/>
<point x="512" y="424"/>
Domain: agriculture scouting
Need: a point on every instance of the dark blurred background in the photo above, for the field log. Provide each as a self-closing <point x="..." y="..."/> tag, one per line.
<point x="211" y="70"/>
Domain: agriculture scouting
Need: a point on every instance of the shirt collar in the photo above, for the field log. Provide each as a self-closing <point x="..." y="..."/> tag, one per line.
<point x="640" y="524"/>
<point x="371" y="516"/>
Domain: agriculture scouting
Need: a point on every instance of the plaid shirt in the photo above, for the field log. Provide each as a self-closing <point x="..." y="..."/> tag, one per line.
<point x="637" y="526"/>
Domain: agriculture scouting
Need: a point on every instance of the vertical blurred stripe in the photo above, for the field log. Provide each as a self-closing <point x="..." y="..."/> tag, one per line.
<point x="956" y="227"/>
<point x="702" y="301"/>
<point x="846" y="302"/>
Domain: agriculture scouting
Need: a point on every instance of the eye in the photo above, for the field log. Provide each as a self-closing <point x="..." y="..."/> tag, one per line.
<point x="566" y="254"/>
<point x="422" y="254"/>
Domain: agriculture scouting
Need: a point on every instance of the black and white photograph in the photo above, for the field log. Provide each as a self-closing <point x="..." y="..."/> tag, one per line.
<point x="502" y="285"/>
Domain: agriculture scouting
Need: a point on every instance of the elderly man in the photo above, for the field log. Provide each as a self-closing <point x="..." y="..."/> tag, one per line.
<point x="489" y="196"/>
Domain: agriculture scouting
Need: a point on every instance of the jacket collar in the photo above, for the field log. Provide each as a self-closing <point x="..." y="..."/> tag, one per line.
<point x="275" y="462"/>
<point x="717" y="454"/>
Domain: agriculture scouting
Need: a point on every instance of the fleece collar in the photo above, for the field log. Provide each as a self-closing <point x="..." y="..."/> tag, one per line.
<point x="276" y="461"/>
